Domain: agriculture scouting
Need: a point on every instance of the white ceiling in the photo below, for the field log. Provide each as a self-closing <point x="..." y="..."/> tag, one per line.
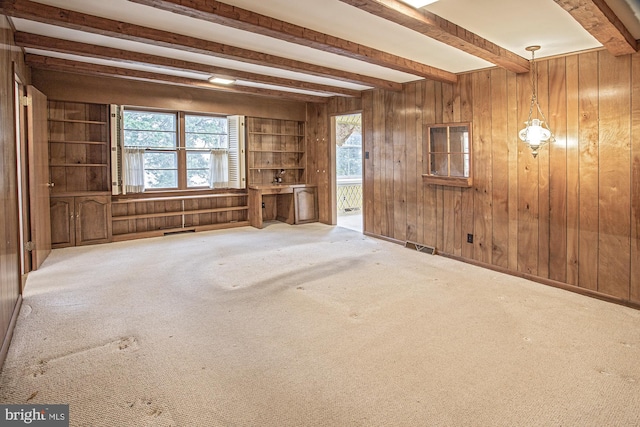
<point x="511" y="24"/>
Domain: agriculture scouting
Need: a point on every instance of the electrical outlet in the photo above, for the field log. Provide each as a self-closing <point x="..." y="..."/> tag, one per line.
<point x="469" y="238"/>
<point x="263" y="205"/>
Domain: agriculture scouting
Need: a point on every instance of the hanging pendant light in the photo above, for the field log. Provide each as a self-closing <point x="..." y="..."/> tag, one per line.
<point x="537" y="133"/>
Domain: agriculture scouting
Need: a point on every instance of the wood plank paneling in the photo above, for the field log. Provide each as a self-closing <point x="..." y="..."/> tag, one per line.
<point x="390" y="108"/>
<point x="378" y="163"/>
<point x="449" y="204"/>
<point x="512" y="166"/>
<point x="109" y="90"/>
<point x="11" y="61"/>
<point x="319" y="158"/>
<point x="588" y="170"/>
<point x="440" y="114"/>
<point x="429" y="191"/>
<point x="614" y="180"/>
<point x="500" y="169"/>
<point x="527" y="190"/>
<point x="455" y="193"/>
<point x="412" y="174"/>
<point x="557" y="244"/>
<point x="573" y="173"/>
<point x="465" y="88"/>
<point x="635" y="180"/>
<point x="368" y="199"/>
<point x="571" y="215"/>
<point x="399" y="191"/>
<point x="343" y="105"/>
<point x="420" y="96"/>
<point x="482" y="166"/>
<point x="543" y="178"/>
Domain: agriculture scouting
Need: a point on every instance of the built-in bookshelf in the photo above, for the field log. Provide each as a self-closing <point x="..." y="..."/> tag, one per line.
<point x="276" y="151"/>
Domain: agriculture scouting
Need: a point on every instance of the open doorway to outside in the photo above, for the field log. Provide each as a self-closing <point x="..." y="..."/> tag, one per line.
<point x="347" y="131"/>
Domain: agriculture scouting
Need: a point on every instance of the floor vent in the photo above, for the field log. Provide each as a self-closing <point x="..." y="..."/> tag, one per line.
<point x="189" y="230"/>
<point x="421" y="248"/>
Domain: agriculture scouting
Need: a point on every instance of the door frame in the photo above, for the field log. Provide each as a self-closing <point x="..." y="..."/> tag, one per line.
<point x="334" y="170"/>
<point x="22" y="179"/>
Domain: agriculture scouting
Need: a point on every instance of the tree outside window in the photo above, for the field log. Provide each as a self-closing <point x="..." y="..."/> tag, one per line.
<point x="349" y="150"/>
<point x="175" y="157"/>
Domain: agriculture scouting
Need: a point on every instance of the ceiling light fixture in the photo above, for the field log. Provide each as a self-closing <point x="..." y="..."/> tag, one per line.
<point x="418" y="3"/>
<point x="537" y="133"/>
<point x="221" y="81"/>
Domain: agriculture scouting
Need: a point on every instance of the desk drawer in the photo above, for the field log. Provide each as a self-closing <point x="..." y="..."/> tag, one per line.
<point x="283" y="190"/>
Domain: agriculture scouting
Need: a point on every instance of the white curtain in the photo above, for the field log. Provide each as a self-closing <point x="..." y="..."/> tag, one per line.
<point x="133" y="170"/>
<point x="219" y="169"/>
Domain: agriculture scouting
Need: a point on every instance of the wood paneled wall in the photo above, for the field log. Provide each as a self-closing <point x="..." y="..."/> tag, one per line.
<point x="571" y="216"/>
<point x="108" y="90"/>
<point x="10" y="57"/>
<point x="319" y="157"/>
<point x="320" y="169"/>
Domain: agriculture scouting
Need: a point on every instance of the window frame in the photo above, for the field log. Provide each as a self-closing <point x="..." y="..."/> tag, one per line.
<point x="180" y="149"/>
<point x="432" y="177"/>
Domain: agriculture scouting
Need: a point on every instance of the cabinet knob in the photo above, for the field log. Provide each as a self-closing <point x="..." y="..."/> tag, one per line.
<point x="50" y="184"/>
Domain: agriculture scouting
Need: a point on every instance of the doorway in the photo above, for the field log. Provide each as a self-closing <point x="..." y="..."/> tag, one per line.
<point x="347" y="136"/>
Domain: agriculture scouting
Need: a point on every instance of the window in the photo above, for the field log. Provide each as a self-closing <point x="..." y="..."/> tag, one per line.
<point x="207" y="144"/>
<point x="156" y="134"/>
<point x="349" y="153"/>
<point x="449" y="155"/>
<point x="178" y="151"/>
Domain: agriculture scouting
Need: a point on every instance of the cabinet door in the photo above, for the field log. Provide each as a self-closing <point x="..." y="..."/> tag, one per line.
<point x="62" y="222"/>
<point x="306" y="209"/>
<point x="93" y="220"/>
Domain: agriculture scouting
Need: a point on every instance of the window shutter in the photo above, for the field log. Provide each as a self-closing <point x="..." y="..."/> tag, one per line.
<point x="116" y="130"/>
<point x="237" y="177"/>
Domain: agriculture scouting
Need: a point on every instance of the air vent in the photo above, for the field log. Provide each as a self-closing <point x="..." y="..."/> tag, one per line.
<point x="421" y="248"/>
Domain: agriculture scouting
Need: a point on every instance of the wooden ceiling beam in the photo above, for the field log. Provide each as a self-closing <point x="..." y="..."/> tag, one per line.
<point x="57" y="64"/>
<point x="440" y="29"/>
<point x="601" y="22"/>
<point x="246" y="20"/>
<point x="52" y="15"/>
<point x="36" y="41"/>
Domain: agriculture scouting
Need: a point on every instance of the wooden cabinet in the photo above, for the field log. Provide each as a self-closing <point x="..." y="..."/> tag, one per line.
<point x="305" y="204"/>
<point x="79" y="168"/>
<point x="276" y="150"/>
<point x="80" y="220"/>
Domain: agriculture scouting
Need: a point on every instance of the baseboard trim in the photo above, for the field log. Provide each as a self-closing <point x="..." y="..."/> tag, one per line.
<point x="388" y="239"/>
<point x="7" y="337"/>
<point x="548" y="282"/>
<point x="541" y="280"/>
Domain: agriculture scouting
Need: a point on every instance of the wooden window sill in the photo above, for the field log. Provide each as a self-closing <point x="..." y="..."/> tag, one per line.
<point x="448" y="181"/>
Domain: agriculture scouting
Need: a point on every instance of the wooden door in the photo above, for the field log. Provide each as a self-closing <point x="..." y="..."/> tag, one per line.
<point x="38" y="148"/>
<point x="62" y="222"/>
<point x="93" y="220"/>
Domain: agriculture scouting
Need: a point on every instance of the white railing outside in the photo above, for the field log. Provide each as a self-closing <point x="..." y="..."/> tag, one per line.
<point x="349" y="195"/>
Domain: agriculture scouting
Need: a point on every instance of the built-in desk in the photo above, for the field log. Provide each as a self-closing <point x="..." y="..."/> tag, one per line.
<point x="290" y="203"/>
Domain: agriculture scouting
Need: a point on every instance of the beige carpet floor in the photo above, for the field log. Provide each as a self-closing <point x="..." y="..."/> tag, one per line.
<point x="313" y="326"/>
